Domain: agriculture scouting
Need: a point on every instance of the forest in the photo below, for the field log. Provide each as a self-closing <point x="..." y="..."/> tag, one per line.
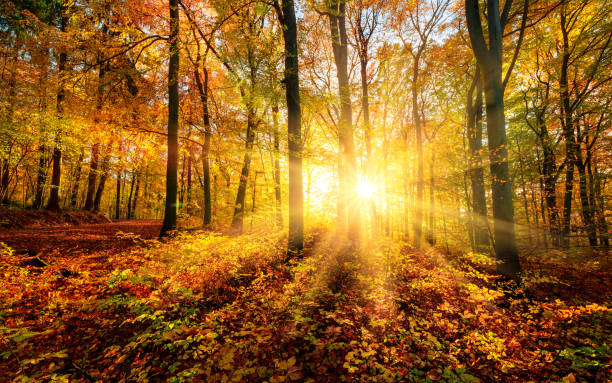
<point x="305" y="190"/>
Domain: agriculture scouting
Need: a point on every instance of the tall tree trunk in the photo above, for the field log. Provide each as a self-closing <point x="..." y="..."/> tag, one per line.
<point x="587" y="213"/>
<point x="474" y="133"/>
<point x="54" y="200"/>
<point x="431" y="236"/>
<point x="118" y="196"/>
<point x="490" y="62"/>
<point x="337" y="20"/>
<point x="549" y="170"/>
<point x="135" y="198"/>
<point x="203" y="91"/>
<point x="170" y="212"/>
<point x="41" y="177"/>
<point x="277" y="186"/>
<point x="189" y="176"/>
<point x="416" y="118"/>
<point x="91" y="179"/>
<point x="601" y="211"/>
<point x="524" y="191"/>
<point x="103" y="177"/>
<point x="568" y="132"/>
<point x="365" y="105"/>
<point x="239" y="208"/>
<point x="294" y="130"/>
<point x="182" y="183"/>
<point x="131" y="195"/>
<point x="75" y="189"/>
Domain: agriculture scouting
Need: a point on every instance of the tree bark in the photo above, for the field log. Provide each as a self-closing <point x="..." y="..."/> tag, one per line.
<point x="203" y="91"/>
<point x="54" y="200"/>
<point x="239" y="210"/>
<point x="294" y="130"/>
<point x="170" y="212"/>
<point x="41" y="177"/>
<point x="277" y="186"/>
<point x="490" y="62"/>
<point x="91" y="179"/>
<point x="118" y="196"/>
<point x="103" y="177"/>
<point x="476" y="172"/>
<point x="77" y="178"/>
<point x="337" y="20"/>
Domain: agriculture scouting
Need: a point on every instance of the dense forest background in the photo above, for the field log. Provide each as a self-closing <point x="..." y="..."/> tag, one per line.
<point x="85" y="93"/>
<point x="460" y="127"/>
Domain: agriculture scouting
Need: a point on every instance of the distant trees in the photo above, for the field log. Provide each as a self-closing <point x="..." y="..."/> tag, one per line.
<point x="83" y="106"/>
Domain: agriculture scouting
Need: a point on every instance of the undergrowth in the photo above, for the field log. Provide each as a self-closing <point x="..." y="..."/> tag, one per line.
<point x="206" y="307"/>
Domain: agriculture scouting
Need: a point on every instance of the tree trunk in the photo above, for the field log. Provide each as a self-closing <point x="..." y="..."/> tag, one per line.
<point x="601" y="211"/>
<point x="91" y="179"/>
<point x="131" y="196"/>
<point x="587" y="213"/>
<point x="490" y="62"/>
<point x="431" y="235"/>
<point x="203" y="90"/>
<point x="41" y="177"/>
<point x="277" y="186"/>
<point x="135" y="198"/>
<point x="103" y="177"/>
<point x="416" y="118"/>
<point x="337" y="19"/>
<point x="474" y="133"/>
<point x="170" y="212"/>
<point x="118" y="198"/>
<point x="568" y="133"/>
<point x="54" y="200"/>
<point x="75" y="189"/>
<point x="294" y="130"/>
<point x="238" y="218"/>
<point x="189" y="176"/>
<point x="365" y="105"/>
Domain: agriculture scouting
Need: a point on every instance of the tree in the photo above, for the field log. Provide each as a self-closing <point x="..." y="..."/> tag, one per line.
<point x="294" y="126"/>
<point x="489" y="59"/>
<point x="54" y="199"/>
<point x="170" y="212"/>
<point x="348" y="178"/>
<point x="424" y="18"/>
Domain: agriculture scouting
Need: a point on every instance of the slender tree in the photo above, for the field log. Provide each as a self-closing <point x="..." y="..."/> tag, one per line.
<point x="170" y="212"/>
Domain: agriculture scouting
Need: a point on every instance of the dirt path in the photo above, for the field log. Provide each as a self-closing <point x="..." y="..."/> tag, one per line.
<point x="81" y="238"/>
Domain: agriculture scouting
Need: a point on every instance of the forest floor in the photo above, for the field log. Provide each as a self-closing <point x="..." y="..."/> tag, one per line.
<point x="109" y="302"/>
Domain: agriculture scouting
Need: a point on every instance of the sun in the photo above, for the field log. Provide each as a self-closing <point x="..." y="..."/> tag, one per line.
<point x="365" y="189"/>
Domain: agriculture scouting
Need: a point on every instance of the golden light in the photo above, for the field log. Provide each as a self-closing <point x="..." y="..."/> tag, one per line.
<point x="365" y="189"/>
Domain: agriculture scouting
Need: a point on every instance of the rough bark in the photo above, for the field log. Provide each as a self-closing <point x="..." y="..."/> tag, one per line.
<point x="170" y="212"/>
<point x="294" y="129"/>
<point x="203" y="92"/>
<point x="490" y="62"/>
<point x="337" y="21"/>
<point x="54" y="199"/>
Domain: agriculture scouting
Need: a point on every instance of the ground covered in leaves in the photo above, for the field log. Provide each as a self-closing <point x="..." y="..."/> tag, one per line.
<point x="111" y="303"/>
